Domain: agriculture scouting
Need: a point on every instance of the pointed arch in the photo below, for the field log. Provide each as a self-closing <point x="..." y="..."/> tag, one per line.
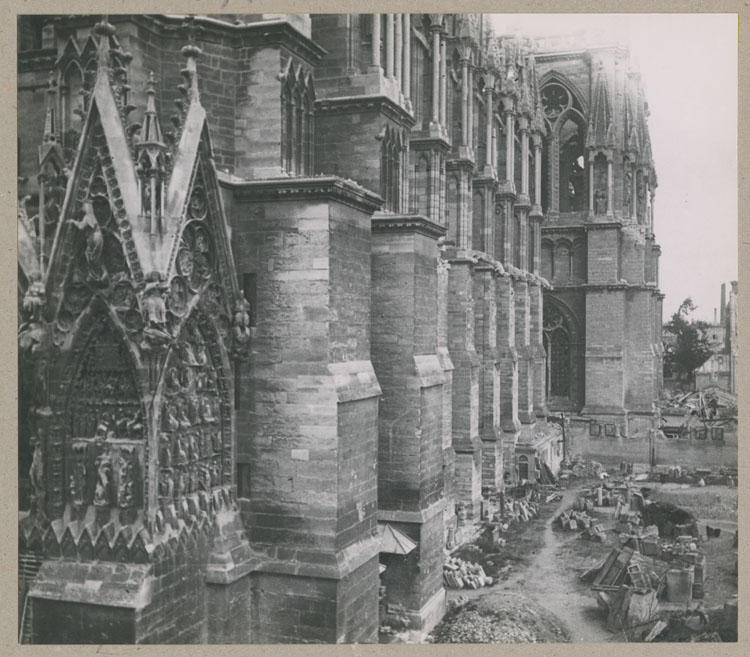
<point x="554" y="76"/>
<point x="563" y="344"/>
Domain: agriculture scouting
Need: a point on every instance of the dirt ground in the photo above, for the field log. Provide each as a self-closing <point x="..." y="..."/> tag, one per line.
<point x="539" y="596"/>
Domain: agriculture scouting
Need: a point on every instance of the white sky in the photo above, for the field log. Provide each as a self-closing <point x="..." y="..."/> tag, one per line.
<point x="688" y="64"/>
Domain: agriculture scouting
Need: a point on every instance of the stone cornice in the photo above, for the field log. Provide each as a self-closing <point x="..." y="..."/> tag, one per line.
<point x="308" y="188"/>
<point x="599" y="225"/>
<point x="561" y="229"/>
<point x="624" y="285"/>
<point x="37" y="60"/>
<point x="375" y="103"/>
<point x="407" y="223"/>
<point x="425" y="140"/>
<point x="281" y="33"/>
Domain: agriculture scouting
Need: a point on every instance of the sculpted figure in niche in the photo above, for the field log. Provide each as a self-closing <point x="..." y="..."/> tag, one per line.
<point x="181" y="416"/>
<point x="166" y="484"/>
<point x="600" y="195"/>
<point x="170" y="423"/>
<point x="165" y="450"/>
<point x="103" y="490"/>
<point x="180" y="482"/>
<point x="215" y="474"/>
<point x="94" y="244"/>
<point x="181" y="453"/>
<point x="155" y="312"/>
<point x="32" y="334"/>
<point x="628" y="192"/>
<point x="77" y="481"/>
<point x="200" y="347"/>
<point x="126" y="491"/>
<point x="172" y="381"/>
<point x="242" y="322"/>
<point x="193" y="409"/>
<point x="36" y="474"/>
<point x="216" y="441"/>
<point x="208" y="409"/>
<point x="204" y="477"/>
<point x="193" y="453"/>
<point x="641" y="200"/>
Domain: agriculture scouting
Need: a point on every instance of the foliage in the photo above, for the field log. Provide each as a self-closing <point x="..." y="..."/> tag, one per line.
<point x="690" y="348"/>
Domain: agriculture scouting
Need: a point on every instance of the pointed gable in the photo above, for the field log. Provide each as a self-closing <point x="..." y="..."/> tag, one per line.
<point x="601" y="129"/>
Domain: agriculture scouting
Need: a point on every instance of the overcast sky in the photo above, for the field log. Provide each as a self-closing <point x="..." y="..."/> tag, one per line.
<point x="688" y="64"/>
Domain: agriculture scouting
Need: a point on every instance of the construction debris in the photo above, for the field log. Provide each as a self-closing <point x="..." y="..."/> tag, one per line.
<point x="460" y="574"/>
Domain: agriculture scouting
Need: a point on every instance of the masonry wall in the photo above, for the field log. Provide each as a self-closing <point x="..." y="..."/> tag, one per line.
<point x="611" y="450"/>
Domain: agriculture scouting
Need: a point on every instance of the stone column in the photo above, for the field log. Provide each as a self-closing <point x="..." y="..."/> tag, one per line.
<point x="465" y="127"/>
<point x="389" y="45"/>
<point x="436" y="75"/>
<point x="494" y="147"/>
<point x="488" y="127"/>
<point x="470" y="109"/>
<point x="537" y="140"/>
<point x="509" y="144"/>
<point x="443" y="85"/>
<point x="610" y="187"/>
<point x="651" y="218"/>
<point x="399" y="48"/>
<point x="523" y="126"/>
<point x="591" y="183"/>
<point x="375" y="40"/>
<point x="42" y="219"/>
<point x="634" y="196"/>
<point x="406" y="79"/>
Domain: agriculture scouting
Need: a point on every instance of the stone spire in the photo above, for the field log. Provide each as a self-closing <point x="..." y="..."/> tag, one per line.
<point x="151" y="137"/>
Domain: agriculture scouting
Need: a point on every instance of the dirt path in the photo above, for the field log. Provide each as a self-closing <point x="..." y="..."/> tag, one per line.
<point x="552" y="588"/>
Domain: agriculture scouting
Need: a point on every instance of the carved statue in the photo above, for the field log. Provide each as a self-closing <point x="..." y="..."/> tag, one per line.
<point x="181" y="416"/>
<point x="165" y="450"/>
<point x="641" y="199"/>
<point x="193" y="454"/>
<point x="103" y="428"/>
<point x="600" y="194"/>
<point x="600" y="201"/>
<point x="216" y="441"/>
<point x="166" y="484"/>
<point x="200" y="347"/>
<point x="215" y="474"/>
<point x="204" y="477"/>
<point x="182" y="456"/>
<point x="103" y="490"/>
<point x="628" y="191"/>
<point x="169" y="414"/>
<point x="193" y="478"/>
<point x="33" y="334"/>
<point x="126" y="488"/>
<point x="207" y="410"/>
<point x="193" y="409"/>
<point x="242" y="321"/>
<point x="180" y="482"/>
<point x="77" y="482"/>
<point x="36" y="474"/>
<point x="135" y="425"/>
<point x="94" y="243"/>
<point x="172" y="381"/>
<point x="155" y="312"/>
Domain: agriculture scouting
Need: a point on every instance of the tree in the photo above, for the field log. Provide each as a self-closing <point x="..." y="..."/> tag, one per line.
<point x="690" y="348"/>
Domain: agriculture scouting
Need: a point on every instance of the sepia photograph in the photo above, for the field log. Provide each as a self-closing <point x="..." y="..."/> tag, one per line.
<point x="392" y="328"/>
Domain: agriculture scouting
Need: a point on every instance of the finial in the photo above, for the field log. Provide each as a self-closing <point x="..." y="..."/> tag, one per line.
<point x="191" y="52"/>
<point x="49" y="120"/>
<point x="104" y="29"/>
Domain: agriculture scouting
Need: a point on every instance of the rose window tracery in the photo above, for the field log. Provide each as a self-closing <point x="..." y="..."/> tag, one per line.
<point x="555" y="100"/>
